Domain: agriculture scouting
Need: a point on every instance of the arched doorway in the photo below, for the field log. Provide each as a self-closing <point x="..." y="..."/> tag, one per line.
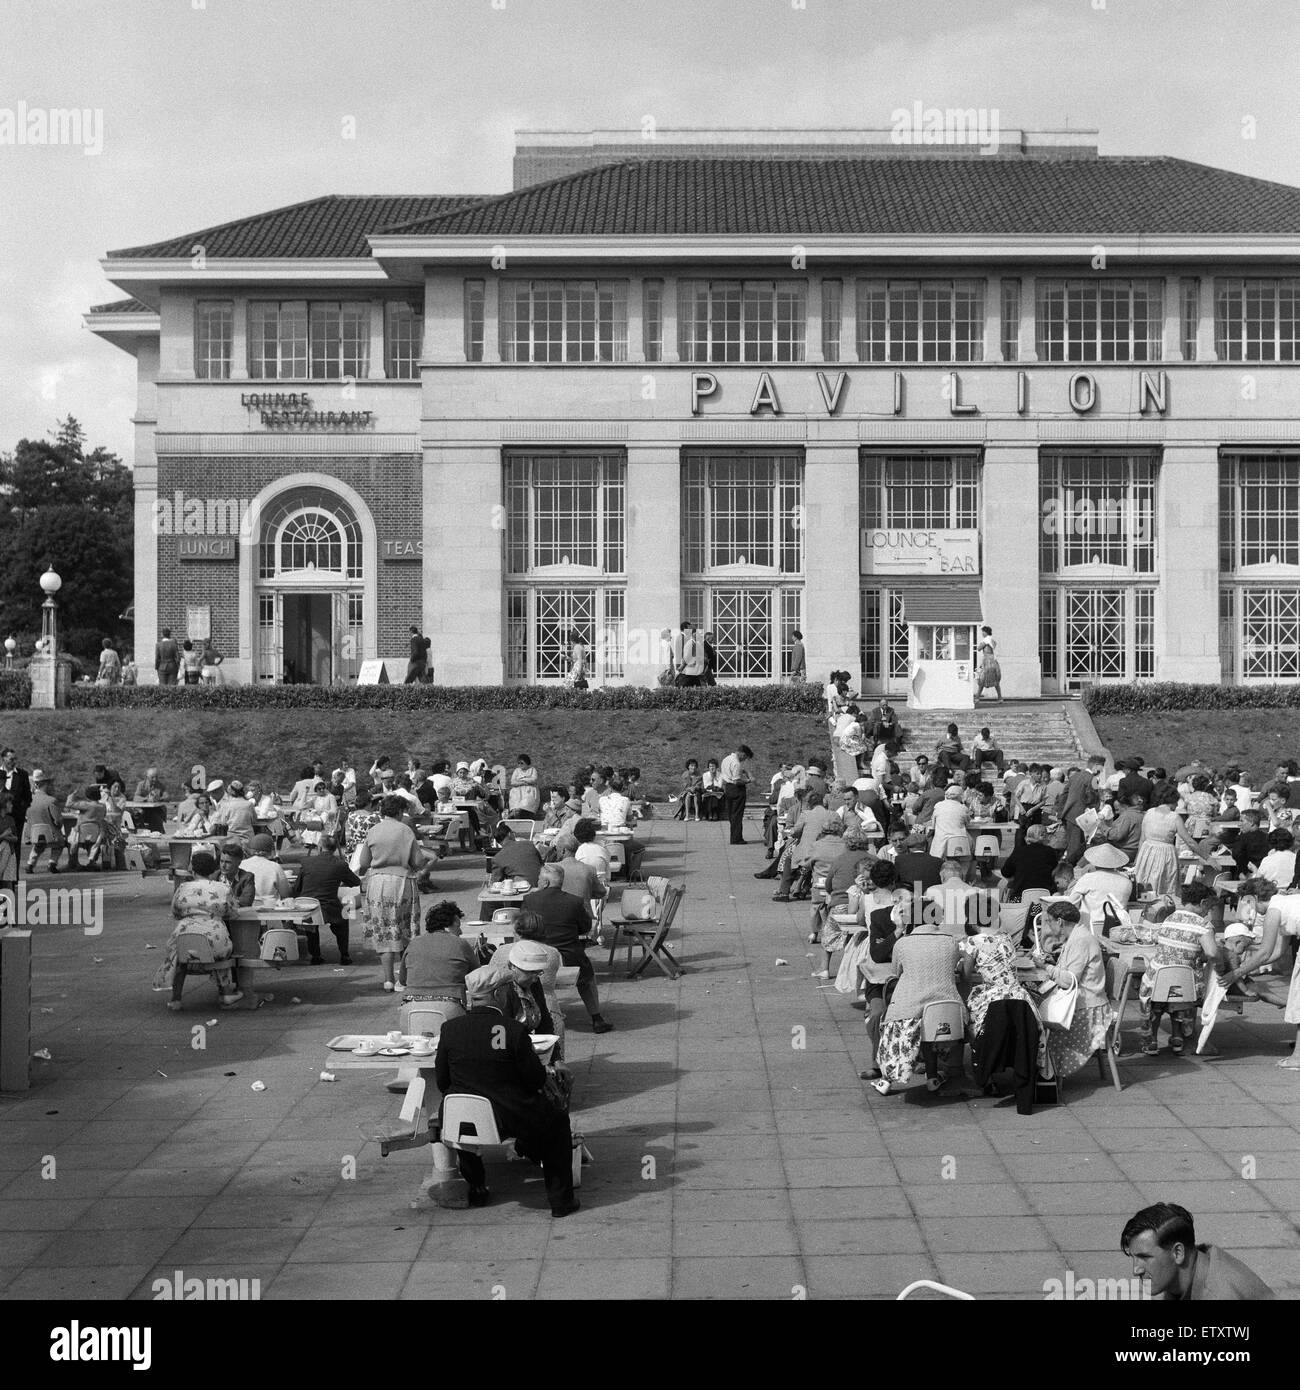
<point x="310" y="590"/>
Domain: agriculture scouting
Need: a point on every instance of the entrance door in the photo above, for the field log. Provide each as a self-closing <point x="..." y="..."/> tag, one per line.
<point x="308" y="626"/>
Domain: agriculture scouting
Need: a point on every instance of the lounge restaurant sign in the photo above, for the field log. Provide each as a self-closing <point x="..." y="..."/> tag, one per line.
<point x="920" y="552"/>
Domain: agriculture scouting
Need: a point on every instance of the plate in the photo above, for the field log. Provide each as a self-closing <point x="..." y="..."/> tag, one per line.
<point x="393" y="1052"/>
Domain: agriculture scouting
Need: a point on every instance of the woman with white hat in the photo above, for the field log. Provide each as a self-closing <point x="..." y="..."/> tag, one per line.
<point x="535" y="953"/>
<point x="1103" y="881"/>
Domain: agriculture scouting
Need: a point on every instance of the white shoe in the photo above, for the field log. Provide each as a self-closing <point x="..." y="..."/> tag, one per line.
<point x="821" y="974"/>
<point x="388" y="986"/>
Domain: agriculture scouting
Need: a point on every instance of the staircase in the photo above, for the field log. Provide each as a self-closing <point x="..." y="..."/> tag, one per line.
<point x="1038" y="731"/>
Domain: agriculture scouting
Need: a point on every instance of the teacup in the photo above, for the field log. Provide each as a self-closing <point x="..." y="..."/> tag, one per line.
<point x="366" y="1049"/>
<point x="422" y="1046"/>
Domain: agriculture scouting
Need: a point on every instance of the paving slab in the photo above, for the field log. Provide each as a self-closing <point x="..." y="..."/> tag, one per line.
<point x="776" y="1172"/>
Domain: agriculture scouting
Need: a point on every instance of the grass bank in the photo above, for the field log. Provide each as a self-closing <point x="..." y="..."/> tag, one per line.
<point x="1254" y="739"/>
<point x="274" y="745"/>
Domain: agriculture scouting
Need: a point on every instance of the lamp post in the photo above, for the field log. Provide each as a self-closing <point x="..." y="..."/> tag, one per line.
<point x="50" y="584"/>
<point x="10" y="647"/>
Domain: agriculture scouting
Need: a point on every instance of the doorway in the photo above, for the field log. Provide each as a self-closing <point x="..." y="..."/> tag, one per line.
<point x="308" y="639"/>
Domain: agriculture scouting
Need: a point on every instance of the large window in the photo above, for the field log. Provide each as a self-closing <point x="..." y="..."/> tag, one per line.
<point x="312" y="533"/>
<point x="563" y="321"/>
<point x="1089" y="634"/>
<point x="340" y="340"/>
<point x="883" y="638"/>
<point x="920" y="491"/>
<point x="292" y="340"/>
<point x="1257" y="320"/>
<point x="1259" y="634"/>
<point x="920" y="321"/>
<point x="403" y="340"/>
<point x="1259" y="510"/>
<point x="751" y="628"/>
<point x="741" y="320"/>
<point x="542" y="620"/>
<point x="742" y="511"/>
<point x="1097" y="509"/>
<point x="1100" y="320"/>
<point x="565" y="509"/>
<point x="277" y="340"/>
<point x="214" y="324"/>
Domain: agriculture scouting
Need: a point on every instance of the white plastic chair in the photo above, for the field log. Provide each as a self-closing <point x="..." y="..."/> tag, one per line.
<point x="469" y="1122"/>
<point x="944" y="1022"/>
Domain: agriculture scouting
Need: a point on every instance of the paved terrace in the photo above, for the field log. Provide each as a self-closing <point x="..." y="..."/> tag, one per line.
<point x="732" y="1162"/>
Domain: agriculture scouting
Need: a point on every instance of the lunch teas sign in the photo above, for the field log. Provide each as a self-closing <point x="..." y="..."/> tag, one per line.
<point x="892" y="551"/>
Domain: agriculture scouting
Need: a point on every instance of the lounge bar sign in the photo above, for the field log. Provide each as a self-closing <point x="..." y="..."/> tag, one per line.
<point x="293" y="410"/>
<point x="206" y="548"/>
<point x="920" y="552"/>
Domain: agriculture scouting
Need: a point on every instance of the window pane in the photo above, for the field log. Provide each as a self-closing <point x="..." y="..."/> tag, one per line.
<point x="832" y="315"/>
<point x="213" y="338"/>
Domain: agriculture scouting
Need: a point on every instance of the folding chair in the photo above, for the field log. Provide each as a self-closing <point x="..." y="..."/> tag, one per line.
<point x="522" y="827"/>
<point x="651" y="937"/>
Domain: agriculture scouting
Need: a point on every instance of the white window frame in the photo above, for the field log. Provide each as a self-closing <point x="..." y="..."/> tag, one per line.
<point x="1072" y="322"/>
<point x="742" y="321"/>
<point x="1271" y="333"/>
<point x="213" y="349"/>
<point x="920" y="320"/>
<point x="563" y="321"/>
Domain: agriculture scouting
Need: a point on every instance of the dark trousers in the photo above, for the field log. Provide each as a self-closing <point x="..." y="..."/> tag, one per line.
<point x="414" y="673"/>
<point x="733" y="799"/>
<point x="167" y="673"/>
<point x="793" y="871"/>
<point x="340" y="935"/>
<point x="551" y="1146"/>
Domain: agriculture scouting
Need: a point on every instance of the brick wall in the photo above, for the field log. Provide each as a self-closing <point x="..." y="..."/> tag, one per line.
<point x="389" y="485"/>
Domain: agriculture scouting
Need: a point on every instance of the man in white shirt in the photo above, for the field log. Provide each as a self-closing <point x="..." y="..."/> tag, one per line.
<point x="735" y="789"/>
<point x="949" y="897"/>
<point x="688" y="655"/>
<point x="617" y="813"/>
<point x="268" y="877"/>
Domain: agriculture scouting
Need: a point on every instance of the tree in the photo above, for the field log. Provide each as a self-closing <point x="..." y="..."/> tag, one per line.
<point x="62" y="506"/>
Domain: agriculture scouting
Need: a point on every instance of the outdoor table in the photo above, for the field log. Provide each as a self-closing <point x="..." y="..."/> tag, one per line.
<point x="489" y="899"/>
<point x="245" y="929"/>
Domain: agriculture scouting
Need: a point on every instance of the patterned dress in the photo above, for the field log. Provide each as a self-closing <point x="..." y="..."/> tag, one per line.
<point x="927" y="965"/>
<point x="203" y="906"/>
<point x="1177" y="943"/>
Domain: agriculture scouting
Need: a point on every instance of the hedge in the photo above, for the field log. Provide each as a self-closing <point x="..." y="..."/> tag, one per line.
<point x="15" y="690"/>
<point x="1159" y="696"/>
<point x="759" y="699"/>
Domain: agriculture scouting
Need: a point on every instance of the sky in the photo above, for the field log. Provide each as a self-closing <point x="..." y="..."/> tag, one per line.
<point x="216" y="109"/>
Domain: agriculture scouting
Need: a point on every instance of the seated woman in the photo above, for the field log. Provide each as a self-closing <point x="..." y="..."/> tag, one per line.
<point x="91" y="830"/>
<point x="197" y="825"/>
<point x="692" y="786"/>
<point x="1071" y="954"/>
<point x="994" y="959"/>
<point x="711" y="790"/>
<point x="320" y="816"/>
<point x="114" y="799"/>
<point x="202" y="904"/>
<point x="439" y="960"/>
<point x="926" y="963"/>
<point x="530" y="927"/>
<point x="266" y="811"/>
<point x="1185" y="938"/>
<point x="881" y="903"/>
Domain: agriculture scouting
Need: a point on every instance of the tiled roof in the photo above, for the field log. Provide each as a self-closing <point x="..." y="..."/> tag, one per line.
<point x="123" y="306"/>
<point x="897" y="196"/>
<point x="335" y="225"/>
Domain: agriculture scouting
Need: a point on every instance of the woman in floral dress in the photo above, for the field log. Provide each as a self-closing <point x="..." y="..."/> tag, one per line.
<point x="202" y="904"/>
<point x="390" y="859"/>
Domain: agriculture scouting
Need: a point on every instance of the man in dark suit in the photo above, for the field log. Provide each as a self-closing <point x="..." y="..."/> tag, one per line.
<point x="915" y="867"/>
<point x="1030" y="863"/>
<point x="515" y="858"/>
<point x="419" y="660"/>
<point x="1133" y="781"/>
<point x="15" y="781"/>
<point x="323" y="875"/>
<point x="486" y="1054"/>
<point x="566" y="921"/>
<point x="1080" y="795"/>
<point x="167" y="658"/>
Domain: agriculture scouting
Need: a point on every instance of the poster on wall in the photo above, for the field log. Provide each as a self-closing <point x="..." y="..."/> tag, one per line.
<point x="198" y="623"/>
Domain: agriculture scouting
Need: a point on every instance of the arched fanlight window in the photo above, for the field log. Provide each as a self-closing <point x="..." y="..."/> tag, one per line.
<point x="312" y="533"/>
<point x="311" y="540"/>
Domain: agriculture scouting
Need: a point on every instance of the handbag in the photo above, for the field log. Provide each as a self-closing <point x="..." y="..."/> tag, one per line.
<point x="1056" y="1004"/>
<point x="638" y="905"/>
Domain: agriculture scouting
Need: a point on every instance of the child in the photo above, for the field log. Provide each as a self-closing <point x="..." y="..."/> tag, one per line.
<point x="692" y="790"/>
